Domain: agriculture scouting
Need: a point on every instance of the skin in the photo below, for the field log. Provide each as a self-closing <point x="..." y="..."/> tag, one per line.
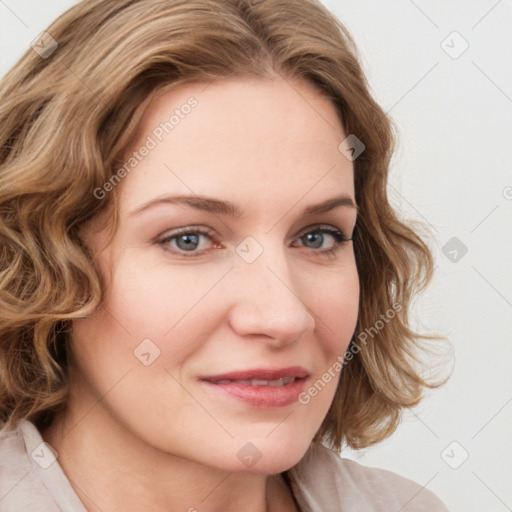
<point x="154" y="438"/>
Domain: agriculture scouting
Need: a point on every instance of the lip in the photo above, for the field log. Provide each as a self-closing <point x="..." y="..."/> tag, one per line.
<point x="263" y="396"/>
<point x="260" y="373"/>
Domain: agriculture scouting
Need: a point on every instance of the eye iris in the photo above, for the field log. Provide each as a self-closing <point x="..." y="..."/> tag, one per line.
<point x="316" y="238"/>
<point x="190" y="241"/>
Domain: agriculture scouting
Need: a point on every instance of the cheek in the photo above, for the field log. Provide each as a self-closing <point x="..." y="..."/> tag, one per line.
<point x="153" y="300"/>
<point x="141" y="303"/>
<point x="334" y="301"/>
<point x="154" y="318"/>
<point x="132" y="349"/>
<point x="336" y="309"/>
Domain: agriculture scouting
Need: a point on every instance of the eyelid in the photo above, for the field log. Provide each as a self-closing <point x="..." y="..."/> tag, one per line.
<point x="337" y="233"/>
<point x="321" y="227"/>
<point x="211" y="233"/>
<point x="187" y="229"/>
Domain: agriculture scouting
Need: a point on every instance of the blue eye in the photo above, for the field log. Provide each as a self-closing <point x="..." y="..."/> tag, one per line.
<point x="185" y="241"/>
<point x="318" y="236"/>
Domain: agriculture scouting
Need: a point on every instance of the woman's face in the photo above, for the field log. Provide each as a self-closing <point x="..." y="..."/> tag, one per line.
<point x="269" y="290"/>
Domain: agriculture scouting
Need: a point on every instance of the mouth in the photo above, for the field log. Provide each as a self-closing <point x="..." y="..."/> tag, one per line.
<point x="264" y="388"/>
<point x="283" y="381"/>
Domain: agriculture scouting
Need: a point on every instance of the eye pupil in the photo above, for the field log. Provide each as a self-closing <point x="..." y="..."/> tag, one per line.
<point x="191" y="241"/>
<point x="316" y="238"/>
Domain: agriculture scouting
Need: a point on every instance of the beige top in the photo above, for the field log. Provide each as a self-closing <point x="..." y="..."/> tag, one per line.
<point x="31" y="480"/>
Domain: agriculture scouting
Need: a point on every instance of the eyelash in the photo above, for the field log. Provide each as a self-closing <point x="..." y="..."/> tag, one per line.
<point x="339" y="240"/>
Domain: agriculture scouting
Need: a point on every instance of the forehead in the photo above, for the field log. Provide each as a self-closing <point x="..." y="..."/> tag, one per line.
<point x="242" y="139"/>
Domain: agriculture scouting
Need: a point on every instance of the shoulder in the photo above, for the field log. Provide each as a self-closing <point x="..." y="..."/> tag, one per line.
<point x="324" y="481"/>
<point x="30" y="477"/>
<point x="20" y="489"/>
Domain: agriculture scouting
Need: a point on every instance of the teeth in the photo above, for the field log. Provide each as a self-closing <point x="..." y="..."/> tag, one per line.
<point x="283" y="381"/>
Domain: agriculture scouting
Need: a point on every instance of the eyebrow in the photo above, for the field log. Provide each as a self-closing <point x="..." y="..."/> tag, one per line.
<point x="220" y="207"/>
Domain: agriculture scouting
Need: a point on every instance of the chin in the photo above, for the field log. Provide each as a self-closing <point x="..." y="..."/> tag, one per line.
<point x="269" y="455"/>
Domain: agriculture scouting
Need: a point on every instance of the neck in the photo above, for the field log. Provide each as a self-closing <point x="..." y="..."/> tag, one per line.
<point x="137" y="476"/>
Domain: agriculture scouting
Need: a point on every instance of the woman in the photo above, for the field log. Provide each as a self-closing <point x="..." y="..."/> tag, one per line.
<point x="205" y="290"/>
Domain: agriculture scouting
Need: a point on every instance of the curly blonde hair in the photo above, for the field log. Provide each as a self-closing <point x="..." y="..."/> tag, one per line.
<point x="65" y="119"/>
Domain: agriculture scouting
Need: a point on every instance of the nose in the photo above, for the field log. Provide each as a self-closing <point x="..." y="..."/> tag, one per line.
<point x="266" y="303"/>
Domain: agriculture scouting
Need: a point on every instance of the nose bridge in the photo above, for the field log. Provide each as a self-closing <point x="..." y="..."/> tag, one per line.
<point x="268" y="300"/>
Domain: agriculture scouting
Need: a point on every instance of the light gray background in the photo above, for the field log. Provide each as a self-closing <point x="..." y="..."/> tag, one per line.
<point x="453" y="172"/>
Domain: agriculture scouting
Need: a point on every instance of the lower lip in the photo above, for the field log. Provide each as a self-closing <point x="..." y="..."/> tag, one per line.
<point x="262" y="396"/>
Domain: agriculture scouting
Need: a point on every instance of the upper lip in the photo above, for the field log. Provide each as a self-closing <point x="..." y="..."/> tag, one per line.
<point x="260" y="373"/>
